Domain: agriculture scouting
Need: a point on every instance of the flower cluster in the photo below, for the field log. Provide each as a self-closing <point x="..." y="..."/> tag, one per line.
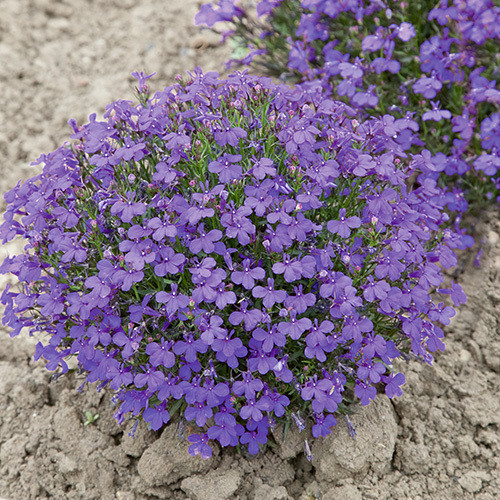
<point x="434" y="63"/>
<point x="233" y="253"/>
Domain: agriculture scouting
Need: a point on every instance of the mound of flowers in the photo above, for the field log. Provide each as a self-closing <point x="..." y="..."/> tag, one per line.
<point x="436" y="62"/>
<point x="232" y="253"/>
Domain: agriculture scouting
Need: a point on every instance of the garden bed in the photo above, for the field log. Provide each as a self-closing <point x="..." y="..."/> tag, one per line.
<point x="439" y="440"/>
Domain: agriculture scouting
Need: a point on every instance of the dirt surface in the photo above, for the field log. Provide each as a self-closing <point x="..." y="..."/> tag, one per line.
<point x="62" y="59"/>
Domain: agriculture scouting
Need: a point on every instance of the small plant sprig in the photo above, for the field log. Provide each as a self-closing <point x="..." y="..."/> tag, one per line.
<point x="234" y="253"/>
<point x="90" y="418"/>
<point x="434" y="62"/>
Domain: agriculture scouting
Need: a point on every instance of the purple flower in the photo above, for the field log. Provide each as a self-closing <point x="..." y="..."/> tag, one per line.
<point x="157" y="416"/>
<point x="227" y="167"/>
<point x="290" y="268"/>
<point x="263" y="167"/>
<point x="212" y="329"/>
<point x="365" y="99"/>
<point x="54" y="358"/>
<point x="394" y="301"/>
<point x="490" y="132"/>
<point x="153" y="378"/>
<point x="71" y="250"/>
<point x="427" y="86"/>
<point x="225" y="429"/>
<point x="206" y="286"/>
<point x="170" y="388"/>
<point x="129" y="209"/>
<point x="251" y="318"/>
<point x="189" y="348"/>
<point x="308" y="198"/>
<point x="371" y="43"/>
<point x="444" y="14"/>
<point x="204" y="269"/>
<point x="137" y="312"/>
<point x="169" y="261"/>
<point x="120" y="376"/>
<point x="295" y="269"/>
<point x="130" y="343"/>
<point x="228" y="349"/>
<point x="323" y="424"/>
<point x="254" y="408"/>
<point x="253" y="438"/>
<point x="442" y="313"/>
<point x="489" y="164"/>
<point x="162" y="229"/>
<point x="195" y="213"/>
<point x="176" y="140"/>
<point x="248" y="276"/>
<point x="436" y="113"/>
<point x="205" y="242"/>
<point x="129" y="277"/>
<point x="304" y="132"/>
<point x="261" y="361"/>
<point x="365" y="392"/>
<point x="140" y="254"/>
<point x="300" y="302"/>
<point x="173" y="300"/>
<point x="456" y="293"/>
<point x="215" y="394"/>
<point x="280" y="211"/>
<point x="278" y="238"/>
<point x="345" y="302"/>
<point x="130" y="150"/>
<point x="272" y="337"/>
<point x="390" y="266"/>
<point x="347" y="87"/>
<point x="200" y="446"/>
<point x="374" y="290"/>
<point x="318" y="342"/>
<point x="370" y="371"/>
<point x="164" y="173"/>
<point x="405" y="31"/>
<point x="334" y="283"/>
<point x="224" y="297"/>
<point x="199" y="412"/>
<point x="268" y="294"/>
<point x="295" y="327"/>
<point x="225" y="11"/>
<point x="464" y="125"/>
<point x="258" y="198"/>
<point x="279" y="402"/>
<point x="142" y="78"/>
<point x="225" y="134"/>
<point x="348" y="70"/>
<point x="322" y="394"/>
<point x="250" y="386"/>
<point x="159" y="201"/>
<point x="299" y="56"/>
<point x="343" y="226"/>
<point x="393" y="385"/>
<point x="221" y="249"/>
<point x="355" y="326"/>
<point x="238" y="225"/>
<point x="99" y="286"/>
<point x="160" y="354"/>
<point x="314" y="388"/>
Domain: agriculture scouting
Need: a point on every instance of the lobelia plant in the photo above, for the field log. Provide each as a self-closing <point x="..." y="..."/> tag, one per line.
<point x="435" y="62"/>
<point x="234" y="253"/>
